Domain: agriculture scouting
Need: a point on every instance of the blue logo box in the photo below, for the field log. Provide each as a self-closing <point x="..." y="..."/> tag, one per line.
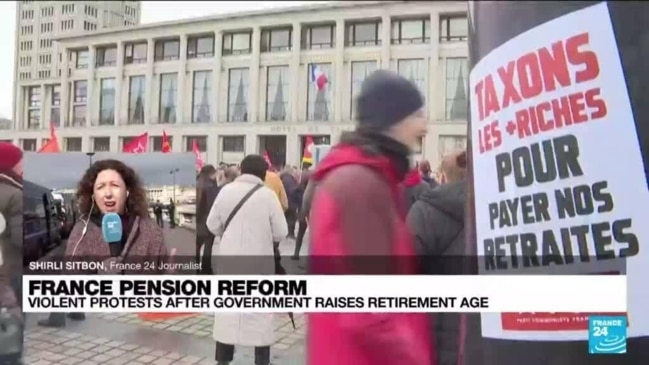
<point x="607" y="334"/>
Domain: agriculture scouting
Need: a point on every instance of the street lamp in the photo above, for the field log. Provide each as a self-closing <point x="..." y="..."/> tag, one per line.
<point x="173" y="174"/>
<point x="90" y="154"/>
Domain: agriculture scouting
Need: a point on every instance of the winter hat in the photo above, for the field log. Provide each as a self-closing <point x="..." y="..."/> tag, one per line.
<point x="10" y="156"/>
<point x="385" y="100"/>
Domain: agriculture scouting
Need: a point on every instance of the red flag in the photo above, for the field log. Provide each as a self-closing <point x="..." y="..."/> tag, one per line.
<point x="197" y="153"/>
<point x="267" y="159"/>
<point x="166" y="146"/>
<point x="52" y="145"/>
<point x="139" y="144"/>
<point x="307" y="154"/>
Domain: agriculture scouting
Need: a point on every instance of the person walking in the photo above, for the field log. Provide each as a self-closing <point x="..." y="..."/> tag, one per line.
<point x="291" y="187"/>
<point x="246" y="219"/>
<point x="207" y="188"/>
<point x="437" y="221"/>
<point x="11" y="246"/>
<point x="171" y="208"/>
<point x="358" y="227"/>
<point x="307" y="189"/>
<point x="157" y="211"/>
<point x="273" y="181"/>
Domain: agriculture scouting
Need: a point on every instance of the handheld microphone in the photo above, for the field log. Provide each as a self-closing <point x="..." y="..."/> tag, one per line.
<point x="111" y="231"/>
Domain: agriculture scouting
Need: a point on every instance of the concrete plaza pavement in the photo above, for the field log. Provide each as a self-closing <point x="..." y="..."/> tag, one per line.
<point x="123" y="338"/>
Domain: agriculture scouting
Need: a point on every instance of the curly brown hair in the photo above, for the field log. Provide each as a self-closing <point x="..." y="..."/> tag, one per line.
<point x="136" y="202"/>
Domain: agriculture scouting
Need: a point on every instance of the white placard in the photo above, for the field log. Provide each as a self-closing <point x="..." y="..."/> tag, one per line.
<point x="553" y="101"/>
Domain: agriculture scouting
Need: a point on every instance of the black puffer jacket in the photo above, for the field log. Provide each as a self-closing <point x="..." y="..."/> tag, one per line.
<point x="437" y="220"/>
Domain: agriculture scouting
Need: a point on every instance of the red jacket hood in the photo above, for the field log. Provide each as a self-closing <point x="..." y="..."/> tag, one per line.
<point x="412" y="179"/>
<point x="342" y="155"/>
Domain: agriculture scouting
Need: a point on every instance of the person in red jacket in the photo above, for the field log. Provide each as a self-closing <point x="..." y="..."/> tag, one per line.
<point x="358" y="227"/>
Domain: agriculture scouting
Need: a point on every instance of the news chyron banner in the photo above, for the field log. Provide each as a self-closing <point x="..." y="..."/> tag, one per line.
<point x="320" y="294"/>
<point x="559" y="179"/>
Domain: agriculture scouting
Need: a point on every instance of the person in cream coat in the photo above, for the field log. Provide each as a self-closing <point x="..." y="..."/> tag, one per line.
<point x="244" y="246"/>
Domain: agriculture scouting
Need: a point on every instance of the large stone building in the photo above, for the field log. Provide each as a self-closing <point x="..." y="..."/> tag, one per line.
<point x="244" y="83"/>
<point x="38" y="57"/>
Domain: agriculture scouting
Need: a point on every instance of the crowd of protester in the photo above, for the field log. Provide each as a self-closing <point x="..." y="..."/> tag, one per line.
<point x="366" y="199"/>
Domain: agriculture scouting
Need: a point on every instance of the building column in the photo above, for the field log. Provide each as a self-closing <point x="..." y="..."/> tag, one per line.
<point x="149" y="114"/>
<point x="90" y="96"/>
<point x="294" y="69"/>
<point x="65" y="90"/>
<point x="19" y="111"/>
<point x="43" y="122"/>
<point x="253" y="82"/>
<point x="216" y="98"/>
<point x="252" y="144"/>
<point x="339" y="71"/>
<point x="386" y="42"/>
<point x="435" y="90"/>
<point x="119" y="78"/>
<point x="181" y="94"/>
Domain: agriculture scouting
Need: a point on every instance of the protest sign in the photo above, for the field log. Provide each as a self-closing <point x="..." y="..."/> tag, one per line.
<point x="550" y="120"/>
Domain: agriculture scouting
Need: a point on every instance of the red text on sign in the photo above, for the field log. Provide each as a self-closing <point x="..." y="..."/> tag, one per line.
<point x="567" y="110"/>
<point x="489" y="137"/>
<point x="563" y="64"/>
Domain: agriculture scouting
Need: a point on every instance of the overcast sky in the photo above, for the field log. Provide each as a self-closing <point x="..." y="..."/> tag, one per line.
<point x="64" y="170"/>
<point x="152" y="11"/>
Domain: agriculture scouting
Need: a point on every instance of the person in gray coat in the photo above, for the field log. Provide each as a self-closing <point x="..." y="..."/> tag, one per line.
<point x="437" y="221"/>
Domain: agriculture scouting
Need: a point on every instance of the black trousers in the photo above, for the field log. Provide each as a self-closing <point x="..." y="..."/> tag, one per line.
<point x="300" y="236"/>
<point x="291" y="219"/>
<point x="206" y="259"/>
<point x="225" y="354"/>
<point x="159" y="221"/>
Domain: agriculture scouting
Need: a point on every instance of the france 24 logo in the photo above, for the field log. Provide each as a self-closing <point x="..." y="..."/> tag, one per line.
<point x="607" y="334"/>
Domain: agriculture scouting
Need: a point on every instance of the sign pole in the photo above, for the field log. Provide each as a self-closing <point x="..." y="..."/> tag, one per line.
<point x="518" y="86"/>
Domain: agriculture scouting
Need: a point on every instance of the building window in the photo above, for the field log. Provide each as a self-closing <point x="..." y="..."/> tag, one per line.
<point x="67" y="24"/>
<point x="72" y="144"/>
<point x="237" y="43"/>
<point x="47" y="12"/>
<point x="25" y="75"/>
<point x="320" y="93"/>
<point x="136" y="99"/>
<point x="135" y="53"/>
<point x="450" y="144"/>
<point x="34" y="119"/>
<point x="27" y="14"/>
<point x="276" y="40"/>
<point x="201" y="143"/>
<point x="26" y="45"/>
<point x="233" y="143"/>
<point x="168" y="90"/>
<point x="82" y="59"/>
<point x="318" y="36"/>
<point x="35" y="97"/>
<point x="46" y="43"/>
<point x="106" y="56"/>
<point x="364" y="34"/>
<point x="415" y="71"/>
<point x="68" y="9"/>
<point x="201" y="96"/>
<point x="29" y="144"/>
<point x="200" y="47"/>
<point x="360" y="71"/>
<point x="55" y="112"/>
<point x="80" y="91"/>
<point x="453" y="28"/>
<point x="156" y="143"/>
<point x="101" y="144"/>
<point x="79" y="116"/>
<point x="419" y="149"/>
<point x="107" y="102"/>
<point x="47" y="27"/>
<point x="238" y="95"/>
<point x="277" y="93"/>
<point x="26" y="30"/>
<point x="167" y="50"/>
<point x="411" y="31"/>
<point x="456" y="88"/>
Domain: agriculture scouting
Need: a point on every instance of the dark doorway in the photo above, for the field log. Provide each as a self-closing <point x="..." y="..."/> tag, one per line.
<point x="275" y="146"/>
